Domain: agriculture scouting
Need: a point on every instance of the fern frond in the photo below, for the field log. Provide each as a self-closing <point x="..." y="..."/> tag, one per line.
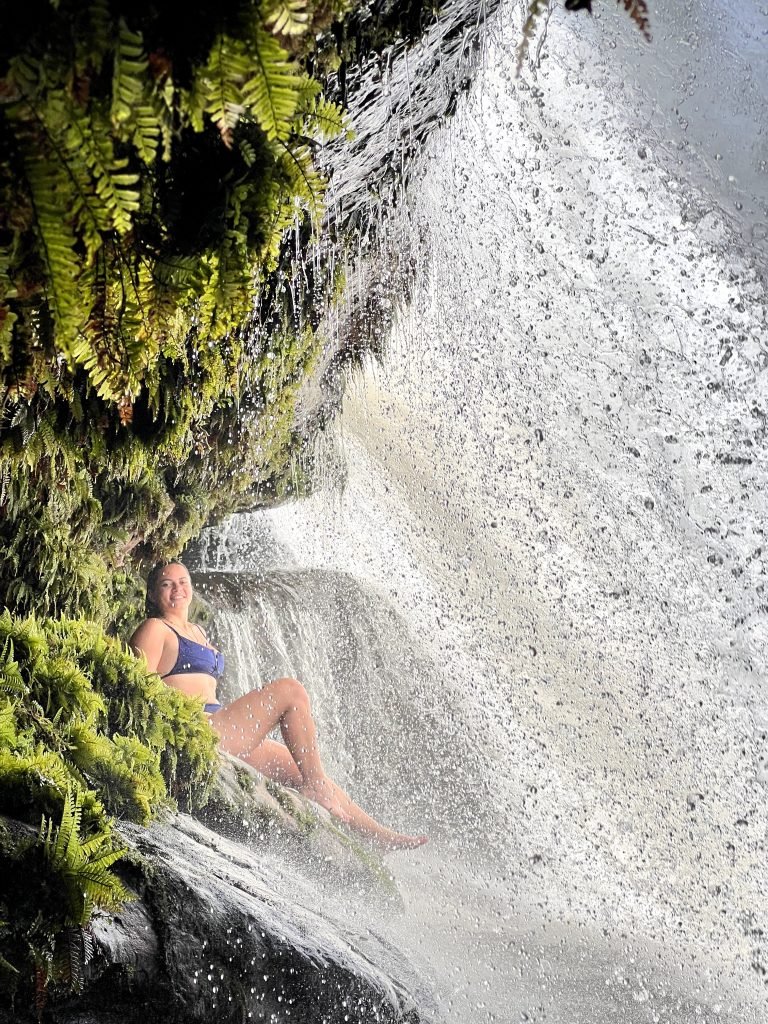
<point x="8" y="731"/>
<point x="221" y="80"/>
<point x="325" y="120"/>
<point x="129" y="68"/>
<point x="535" y="13"/>
<point x="11" y="678"/>
<point x="140" y="111"/>
<point x="638" y="12"/>
<point x="286" y="17"/>
<point x="82" y="864"/>
<point x="52" y="198"/>
<point x="69" y="958"/>
<point x="272" y="92"/>
<point x="305" y="182"/>
<point x="116" y="200"/>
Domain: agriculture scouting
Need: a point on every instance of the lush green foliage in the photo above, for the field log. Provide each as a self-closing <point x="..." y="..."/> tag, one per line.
<point x="86" y="735"/>
<point x="146" y="196"/>
<point x="150" y="171"/>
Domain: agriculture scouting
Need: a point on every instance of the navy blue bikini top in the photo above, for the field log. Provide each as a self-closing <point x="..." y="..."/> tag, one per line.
<point x="194" y="657"/>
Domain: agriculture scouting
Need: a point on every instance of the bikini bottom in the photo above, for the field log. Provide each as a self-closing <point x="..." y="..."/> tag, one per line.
<point x="211" y="709"/>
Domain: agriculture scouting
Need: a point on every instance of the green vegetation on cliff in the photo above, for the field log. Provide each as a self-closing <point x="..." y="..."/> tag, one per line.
<point x="86" y="736"/>
<point x="157" y="179"/>
<point x="151" y="167"/>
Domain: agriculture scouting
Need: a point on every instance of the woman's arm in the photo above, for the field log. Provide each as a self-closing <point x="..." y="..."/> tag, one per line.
<point x="149" y="641"/>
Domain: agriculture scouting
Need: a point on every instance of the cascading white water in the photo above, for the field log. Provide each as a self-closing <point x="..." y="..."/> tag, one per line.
<point x="534" y="620"/>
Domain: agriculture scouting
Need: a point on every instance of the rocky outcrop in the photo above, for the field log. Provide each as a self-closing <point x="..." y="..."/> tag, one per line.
<point x="242" y="926"/>
<point x="246" y="807"/>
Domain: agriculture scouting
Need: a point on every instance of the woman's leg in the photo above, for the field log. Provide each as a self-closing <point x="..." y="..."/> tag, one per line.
<point x="245" y="724"/>
<point x="243" y="727"/>
<point x="274" y="760"/>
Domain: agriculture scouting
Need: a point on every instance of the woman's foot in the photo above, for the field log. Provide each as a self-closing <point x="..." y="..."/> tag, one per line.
<point x="328" y="795"/>
<point x="398" y="841"/>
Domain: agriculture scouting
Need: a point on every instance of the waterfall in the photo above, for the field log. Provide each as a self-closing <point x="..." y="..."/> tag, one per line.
<point x="370" y="682"/>
<point x="533" y="619"/>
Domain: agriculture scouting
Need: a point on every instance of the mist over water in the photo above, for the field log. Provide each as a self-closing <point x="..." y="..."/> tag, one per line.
<point x="533" y="621"/>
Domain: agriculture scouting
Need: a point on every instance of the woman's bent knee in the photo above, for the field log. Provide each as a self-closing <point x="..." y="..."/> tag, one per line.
<point x="292" y="693"/>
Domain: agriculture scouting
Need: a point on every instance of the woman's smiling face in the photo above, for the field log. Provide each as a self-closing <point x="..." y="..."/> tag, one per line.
<point x="173" y="590"/>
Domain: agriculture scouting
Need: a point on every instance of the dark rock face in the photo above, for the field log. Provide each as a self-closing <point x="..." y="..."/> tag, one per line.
<point x="240" y="929"/>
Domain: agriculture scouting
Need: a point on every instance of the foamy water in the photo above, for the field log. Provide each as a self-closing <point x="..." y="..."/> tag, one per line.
<point x="556" y="486"/>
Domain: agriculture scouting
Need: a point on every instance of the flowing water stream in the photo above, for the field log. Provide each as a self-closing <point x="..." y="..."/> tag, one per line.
<point x="531" y="611"/>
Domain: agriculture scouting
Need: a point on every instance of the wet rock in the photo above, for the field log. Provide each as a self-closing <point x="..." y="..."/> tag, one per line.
<point x="239" y="921"/>
<point x="218" y="934"/>
<point x="246" y="807"/>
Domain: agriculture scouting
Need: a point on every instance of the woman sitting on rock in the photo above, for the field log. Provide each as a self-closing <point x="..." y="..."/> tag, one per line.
<point x="179" y="651"/>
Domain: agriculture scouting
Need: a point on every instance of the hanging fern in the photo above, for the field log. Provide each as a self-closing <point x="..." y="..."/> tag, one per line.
<point x="272" y="91"/>
<point x="638" y="12"/>
<point x="327" y="120"/>
<point x="219" y="84"/>
<point x="50" y="192"/>
<point x="93" y="162"/>
<point x="130" y="68"/>
<point x="287" y="17"/>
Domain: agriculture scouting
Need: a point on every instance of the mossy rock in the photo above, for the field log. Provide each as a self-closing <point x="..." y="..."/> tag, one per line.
<point x="87" y="735"/>
<point x="244" y="806"/>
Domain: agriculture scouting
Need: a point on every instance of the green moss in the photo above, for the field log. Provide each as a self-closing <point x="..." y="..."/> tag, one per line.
<point x="244" y="780"/>
<point x="306" y="820"/>
<point x="372" y="862"/>
<point x="87" y="735"/>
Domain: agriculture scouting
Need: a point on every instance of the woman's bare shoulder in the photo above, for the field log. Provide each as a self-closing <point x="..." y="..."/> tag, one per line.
<point x="148" y="630"/>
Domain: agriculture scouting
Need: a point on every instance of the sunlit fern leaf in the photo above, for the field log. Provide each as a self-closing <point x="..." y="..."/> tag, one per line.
<point x="307" y="184"/>
<point x="8" y="731"/>
<point x="44" y="765"/>
<point x="61" y="843"/>
<point x="7" y="320"/>
<point x="272" y="91"/>
<point x="535" y="13"/>
<point x="139" y="111"/>
<point x="164" y="104"/>
<point x="309" y="90"/>
<point x="82" y="864"/>
<point x="123" y="341"/>
<point x="11" y="678"/>
<point x="149" y="127"/>
<point x="286" y="17"/>
<point x="325" y="120"/>
<point x="112" y="183"/>
<point x="130" y="67"/>
<point x="247" y="151"/>
<point x="221" y="80"/>
<point x="638" y="12"/>
<point x="51" y="195"/>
